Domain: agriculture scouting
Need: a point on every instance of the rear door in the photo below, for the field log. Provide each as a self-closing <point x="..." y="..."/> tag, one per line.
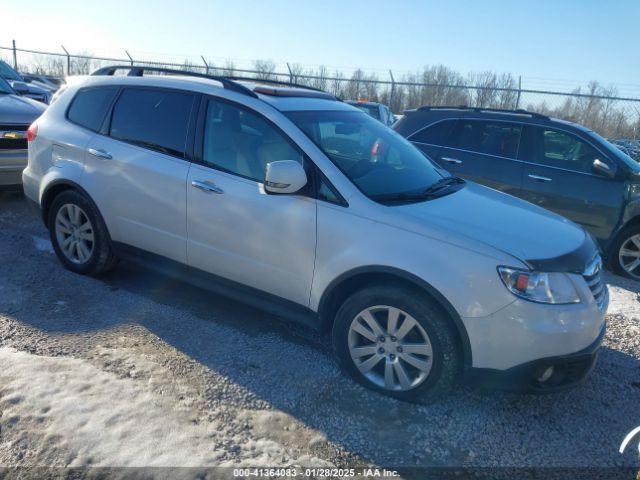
<point x="485" y="151"/>
<point x="559" y="176"/>
<point x="136" y="169"/>
<point x="236" y="230"/>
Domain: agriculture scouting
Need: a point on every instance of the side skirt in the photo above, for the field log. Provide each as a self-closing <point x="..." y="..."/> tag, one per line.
<point x="259" y="299"/>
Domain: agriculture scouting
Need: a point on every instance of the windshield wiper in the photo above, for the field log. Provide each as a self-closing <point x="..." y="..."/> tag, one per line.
<point x="438" y="189"/>
<point x="442" y="184"/>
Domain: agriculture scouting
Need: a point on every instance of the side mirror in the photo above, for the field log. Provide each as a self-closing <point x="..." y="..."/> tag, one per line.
<point x="284" y="176"/>
<point x="603" y="168"/>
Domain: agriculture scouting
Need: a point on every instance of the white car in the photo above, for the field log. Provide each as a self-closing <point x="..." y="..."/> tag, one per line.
<point x="298" y="203"/>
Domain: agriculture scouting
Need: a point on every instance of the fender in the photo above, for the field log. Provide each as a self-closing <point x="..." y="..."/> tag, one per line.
<point x="325" y="299"/>
<point x="630" y="215"/>
<point x="59" y="185"/>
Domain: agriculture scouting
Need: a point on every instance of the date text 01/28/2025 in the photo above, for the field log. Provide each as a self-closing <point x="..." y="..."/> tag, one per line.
<point x="293" y="472"/>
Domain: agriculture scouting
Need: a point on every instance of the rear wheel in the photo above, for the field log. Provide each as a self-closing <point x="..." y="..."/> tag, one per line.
<point x="624" y="256"/>
<point x="79" y="235"/>
<point x="397" y="342"/>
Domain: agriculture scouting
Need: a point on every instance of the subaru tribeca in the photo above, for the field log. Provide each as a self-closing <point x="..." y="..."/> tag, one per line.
<point x="298" y="203"/>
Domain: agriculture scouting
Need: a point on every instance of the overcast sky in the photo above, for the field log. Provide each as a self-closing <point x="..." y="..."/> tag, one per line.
<point x="552" y="44"/>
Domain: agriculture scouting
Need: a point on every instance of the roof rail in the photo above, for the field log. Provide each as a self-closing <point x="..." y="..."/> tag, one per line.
<point x="518" y="111"/>
<point x="289" y="92"/>
<point x="138" y="71"/>
<point x="269" y="81"/>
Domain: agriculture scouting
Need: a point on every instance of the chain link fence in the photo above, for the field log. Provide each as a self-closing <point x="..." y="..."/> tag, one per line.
<point x="596" y="107"/>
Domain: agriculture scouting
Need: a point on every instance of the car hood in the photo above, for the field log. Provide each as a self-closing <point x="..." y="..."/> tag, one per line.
<point x="537" y="237"/>
<point x="15" y="109"/>
<point x="30" y="86"/>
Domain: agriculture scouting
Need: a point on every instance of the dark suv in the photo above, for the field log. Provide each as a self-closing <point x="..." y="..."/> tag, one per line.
<point x="558" y="165"/>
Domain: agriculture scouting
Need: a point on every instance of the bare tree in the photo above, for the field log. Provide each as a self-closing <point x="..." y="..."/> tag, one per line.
<point x="48" y="65"/>
<point x="320" y="81"/>
<point x="296" y="74"/>
<point x="81" y="65"/>
<point x="229" y="68"/>
<point x="264" y="69"/>
<point x="354" y="87"/>
<point x="337" y="85"/>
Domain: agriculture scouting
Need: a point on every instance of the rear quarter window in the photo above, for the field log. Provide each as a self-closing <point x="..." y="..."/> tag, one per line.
<point x="89" y="106"/>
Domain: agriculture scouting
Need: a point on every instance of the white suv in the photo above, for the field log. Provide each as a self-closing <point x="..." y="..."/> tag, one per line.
<point x="298" y="203"/>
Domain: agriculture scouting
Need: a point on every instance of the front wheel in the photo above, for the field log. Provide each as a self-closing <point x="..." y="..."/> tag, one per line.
<point x="624" y="255"/>
<point x="397" y="342"/>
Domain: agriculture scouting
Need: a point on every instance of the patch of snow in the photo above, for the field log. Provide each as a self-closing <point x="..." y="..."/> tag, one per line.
<point x="106" y="420"/>
<point x="624" y="296"/>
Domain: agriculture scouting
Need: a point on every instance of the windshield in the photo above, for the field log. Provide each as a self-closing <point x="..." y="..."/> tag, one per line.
<point x="379" y="161"/>
<point x="9" y="73"/>
<point x="5" y="87"/>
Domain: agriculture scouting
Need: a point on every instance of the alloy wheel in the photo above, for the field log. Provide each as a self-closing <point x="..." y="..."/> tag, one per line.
<point x="629" y="256"/>
<point x="74" y="233"/>
<point x="390" y="348"/>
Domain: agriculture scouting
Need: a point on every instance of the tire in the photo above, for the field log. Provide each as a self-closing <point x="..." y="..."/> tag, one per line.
<point x="445" y="360"/>
<point x="623" y="239"/>
<point x="96" y="256"/>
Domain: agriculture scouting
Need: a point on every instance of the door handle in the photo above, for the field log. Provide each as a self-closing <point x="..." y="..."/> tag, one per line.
<point x="100" y="153"/>
<point x="206" y="187"/>
<point x="452" y="160"/>
<point x="539" y="178"/>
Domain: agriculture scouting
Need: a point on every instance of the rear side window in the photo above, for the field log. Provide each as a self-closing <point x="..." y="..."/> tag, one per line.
<point x="154" y="119"/>
<point x="435" y="134"/>
<point x="90" y="105"/>
<point x="491" y="138"/>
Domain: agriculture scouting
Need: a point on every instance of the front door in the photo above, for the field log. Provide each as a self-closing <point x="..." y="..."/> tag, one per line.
<point x="235" y="229"/>
<point x="559" y="176"/>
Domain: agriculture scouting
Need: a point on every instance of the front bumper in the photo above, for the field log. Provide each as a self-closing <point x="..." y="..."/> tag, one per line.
<point x="524" y="331"/>
<point x="12" y="162"/>
<point x="567" y="371"/>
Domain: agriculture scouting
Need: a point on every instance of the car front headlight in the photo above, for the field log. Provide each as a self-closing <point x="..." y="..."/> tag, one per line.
<point x="542" y="287"/>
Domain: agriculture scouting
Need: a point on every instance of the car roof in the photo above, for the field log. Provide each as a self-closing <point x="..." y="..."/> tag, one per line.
<point x="282" y="98"/>
<point x="426" y="115"/>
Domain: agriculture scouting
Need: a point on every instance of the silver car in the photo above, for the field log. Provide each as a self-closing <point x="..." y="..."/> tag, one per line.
<point x="298" y="203"/>
<point x="16" y="114"/>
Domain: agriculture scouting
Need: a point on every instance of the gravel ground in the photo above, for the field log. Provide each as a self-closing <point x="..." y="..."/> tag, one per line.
<point x="135" y="369"/>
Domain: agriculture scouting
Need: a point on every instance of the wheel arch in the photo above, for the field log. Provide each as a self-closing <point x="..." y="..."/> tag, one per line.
<point x="353" y="280"/>
<point x="55" y="188"/>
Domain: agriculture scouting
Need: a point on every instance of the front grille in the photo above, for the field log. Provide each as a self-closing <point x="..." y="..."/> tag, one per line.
<point x="593" y="277"/>
<point x="13" y="137"/>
